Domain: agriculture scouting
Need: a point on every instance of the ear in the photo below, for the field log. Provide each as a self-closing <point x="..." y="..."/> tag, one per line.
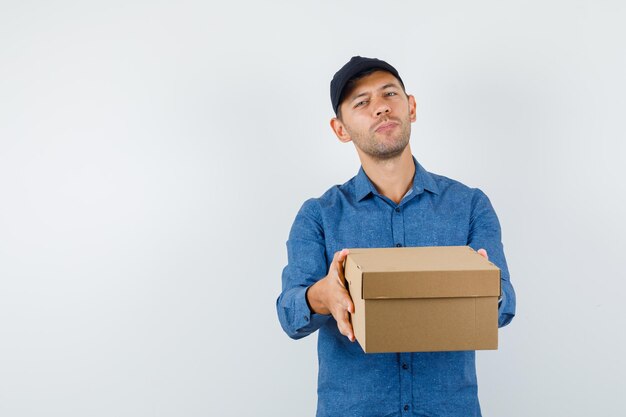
<point x="412" y="108"/>
<point x="340" y="130"/>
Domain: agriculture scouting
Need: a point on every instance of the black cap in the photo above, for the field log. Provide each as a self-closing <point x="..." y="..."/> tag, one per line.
<point x="355" y="66"/>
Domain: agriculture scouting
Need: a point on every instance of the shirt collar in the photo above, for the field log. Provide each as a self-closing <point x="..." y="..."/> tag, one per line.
<point x="421" y="181"/>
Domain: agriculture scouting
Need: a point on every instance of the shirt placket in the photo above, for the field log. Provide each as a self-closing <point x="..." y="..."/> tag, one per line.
<point x="397" y="226"/>
<point x="405" y="383"/>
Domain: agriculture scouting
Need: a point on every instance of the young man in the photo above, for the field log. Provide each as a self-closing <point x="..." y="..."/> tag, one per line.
<point x="392" y="201"/>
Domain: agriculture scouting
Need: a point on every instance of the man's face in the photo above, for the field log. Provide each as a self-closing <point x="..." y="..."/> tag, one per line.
<point x="376" y="115"/>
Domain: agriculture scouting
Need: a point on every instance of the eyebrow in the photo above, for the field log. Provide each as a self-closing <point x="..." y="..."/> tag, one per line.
<point x="388" y="85"/>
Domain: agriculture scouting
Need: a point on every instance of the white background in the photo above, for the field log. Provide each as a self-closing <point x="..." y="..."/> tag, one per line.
<point x="154" y="154"/>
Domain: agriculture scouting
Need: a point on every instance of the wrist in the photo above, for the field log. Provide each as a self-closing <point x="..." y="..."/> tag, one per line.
<point x="314" y="298"/>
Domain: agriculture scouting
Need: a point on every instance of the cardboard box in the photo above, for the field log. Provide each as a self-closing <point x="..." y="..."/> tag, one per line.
<point x="423" y="299"/>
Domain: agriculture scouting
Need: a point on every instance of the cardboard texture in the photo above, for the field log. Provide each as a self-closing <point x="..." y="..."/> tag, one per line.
<point x="423" y="299"/>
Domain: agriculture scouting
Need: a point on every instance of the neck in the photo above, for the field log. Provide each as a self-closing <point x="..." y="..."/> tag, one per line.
<point x="391" y="177"/>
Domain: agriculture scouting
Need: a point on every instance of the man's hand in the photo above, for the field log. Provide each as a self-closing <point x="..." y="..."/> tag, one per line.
<point x="330" y="296"/>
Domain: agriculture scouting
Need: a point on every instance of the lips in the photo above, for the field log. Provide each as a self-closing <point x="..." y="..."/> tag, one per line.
<point x="385" y="126"/>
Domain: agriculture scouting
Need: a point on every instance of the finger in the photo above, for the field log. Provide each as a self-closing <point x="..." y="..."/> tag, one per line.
<point x="346" y="303"/>
<point x="340" y="257"/>
<point x="340" y="313"/>
<point x="483" y="252"/>
<point x="336" y="261"/>
<point x="349" y="305"/>
<point x="344" y="326"/>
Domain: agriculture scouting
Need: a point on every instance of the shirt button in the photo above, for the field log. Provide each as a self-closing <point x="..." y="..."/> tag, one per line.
<point x="397" y="209"/>
<point x="398" y="245"/>
<point x="306" y="318"/>
<point x="405" y="366"/>
<point x="406" y="408"/>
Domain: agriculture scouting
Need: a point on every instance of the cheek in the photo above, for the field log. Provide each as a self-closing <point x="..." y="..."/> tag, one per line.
<point x="361" y="123"/>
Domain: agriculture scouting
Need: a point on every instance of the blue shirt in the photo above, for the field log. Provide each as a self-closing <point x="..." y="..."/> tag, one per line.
<point x="436" y="211"/>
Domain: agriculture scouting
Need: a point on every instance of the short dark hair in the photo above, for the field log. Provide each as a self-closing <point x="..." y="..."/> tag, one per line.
<point x="352" y="83"/>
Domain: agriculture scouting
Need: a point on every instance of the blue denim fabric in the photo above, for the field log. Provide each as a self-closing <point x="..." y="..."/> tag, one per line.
<point x="437" y="211"/>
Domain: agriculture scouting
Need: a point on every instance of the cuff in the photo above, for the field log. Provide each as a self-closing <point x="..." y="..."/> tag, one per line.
<point x="304" y="319"/>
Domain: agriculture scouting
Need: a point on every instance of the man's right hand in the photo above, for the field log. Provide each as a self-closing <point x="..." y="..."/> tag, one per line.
<point x="330" y="296"/>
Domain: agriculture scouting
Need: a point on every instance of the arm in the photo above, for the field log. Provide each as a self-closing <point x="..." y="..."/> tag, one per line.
<point x="306" y="264"/>
<point x="310" y="293"/>
<point x="485" y="233"/>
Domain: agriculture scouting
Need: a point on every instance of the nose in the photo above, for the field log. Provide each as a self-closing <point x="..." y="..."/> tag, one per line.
<point x="381" y="107"/>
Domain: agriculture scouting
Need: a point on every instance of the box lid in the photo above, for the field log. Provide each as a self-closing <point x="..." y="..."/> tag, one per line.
<point x="425" y="272"/>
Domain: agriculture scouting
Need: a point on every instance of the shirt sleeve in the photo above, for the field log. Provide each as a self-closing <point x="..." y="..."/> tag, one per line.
<point x="485" y="234"/>
<point x="306" y="264"/>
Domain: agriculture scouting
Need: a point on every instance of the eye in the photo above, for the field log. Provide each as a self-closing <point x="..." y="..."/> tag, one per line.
<point x="361" y="103"/>
<point x="391" y="93"/>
